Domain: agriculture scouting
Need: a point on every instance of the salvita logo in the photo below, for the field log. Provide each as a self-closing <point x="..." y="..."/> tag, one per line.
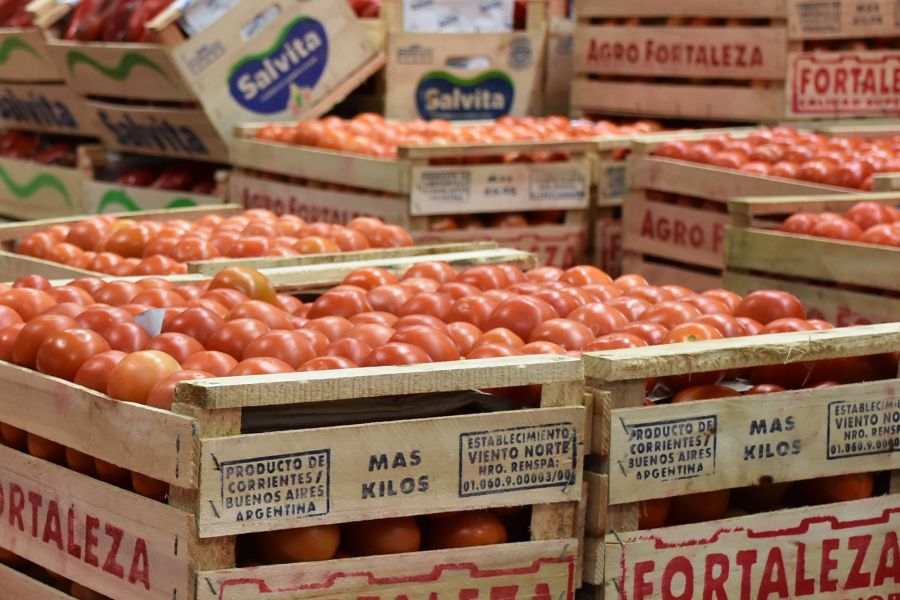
<point x="283" y="76"/>
<point x="154" y="135"/>
<point x="35" y="109"/>
<point x="441" y="95"/>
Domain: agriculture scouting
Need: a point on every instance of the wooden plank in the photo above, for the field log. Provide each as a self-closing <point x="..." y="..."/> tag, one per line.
<point x="597" y="504"/>
<point x="20" y="585"/>
<point x="658" y="273"/>
<point x="822" y="19"/>
<point x="672" y="450"/>
<point x="691" y="235"/>
<point x="794" y="544"/>
<point x="212" y="267"/>
<point x="715" y="183"/>
<point x="104" y="197"/>
<point x="371" y="382"/>
<point x="806" y="257"/>
<point x="110" y="540"/>
<point x="13" y="266"/>
<point x="688" y="101"/>
<point x="690" y="8"/>
<point x="844" y="308"/>
<point x="27" y="59"/>
<point x="886" y="182"/>
<point x="735" y="53"/>
<point x="594" y="565"/>
<point x="533" y="568"/>
<point x="714" y="355"/>
<point x="744" y="209"/>
<point x="32" y="190"/>
<point x="154" y="442"/>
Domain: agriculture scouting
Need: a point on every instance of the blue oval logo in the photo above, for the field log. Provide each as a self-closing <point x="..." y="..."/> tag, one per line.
<point x="284" y="75"/>
<point x="441" y="95"/>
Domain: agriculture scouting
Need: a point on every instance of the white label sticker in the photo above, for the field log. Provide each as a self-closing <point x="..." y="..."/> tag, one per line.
<point x="457" y="16"/>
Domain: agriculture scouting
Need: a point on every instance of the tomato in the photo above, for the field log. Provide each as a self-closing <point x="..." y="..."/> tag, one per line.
<point x="428" y="303"/>
<point x="390" y="236"/>
<point x="291" y="347"/>
<point x="94" y="372"/>
<point x="500" y="335"/>
<point x="116" y="293"/>
<point x="671" y="313"/>
<point x="766" y="306"/>
<point x="36" y="245"/>
<point x="28" y="303"/>
<point x="764" y="388"/>
<point x="465" y="530"/>
<point x="701" y="507"/>
<point x="269" y="314"/>
<point x="313" y="543"/>
<point x="381" y="536"/>
<point x="63" y="353"/>
<point x="869" y="214"/>
<point x="801" y="223"/>
<point x="162" y="395"/>
<point x="883" y="235"/>
<point x="521" y="315"/>
<point x="260" y="365"/>
<point x="218" y="364"/>
<point x="45" y="449"/>
<point x="650" y="332"/>
<point x="129" y="241"/>
<point x="249" y="282"/>
<point x="69" y="293"/>
<point x="727" y="325"/>
<point x="374" y="318"/>
<point x="601" y="319"/>
<point x="585" y="275"/>
<point x="8" y="336"/>
<point x="692" y="332"/>
<point x="439" y="271"/>
<point x="570" y="334"/>
<point x="650" y="293"/>
<point x="234" y="336"/>
<point x="631" y="308"/>
<point x="427" y="320"/>
<point x="436" y="344"/>
<point x="342" y="303"/>
<point x="350" y="348"/>
<point x="328" y="363"/>
<point x="615" y="341"/>
<point x="34" y="282"/>
<point x="472" y="309"/>
<point x="34" y="333"/>
<point x="563" y="301"/>
<point x="464" y="335"/>
<point x="13" y="437"/>
<point x="177" y="345"/>
<point x="369" y="278"/>
<point x="8" y="316"/>
<point x="542" y="347"/>
<point x="485" y="277"/>
<point x="127" y="337"/>
<point x="602" y="292"/>
<point x="88" y="284"/>
<point x="395" y="353"/>
<point x="837" y="228"/>
<point x="226" y="297"/>
<point x="704" y="392"/>
<point x="133" y="378"/>
<point x="198" y="322"/>
<point x="750" y="326"/>
<point x="457" y="289"/>
<point x="334" y="328"/>
<point x="493" y="350"/>
<point x="544" y="274"/>
<point x="388" y="298"/>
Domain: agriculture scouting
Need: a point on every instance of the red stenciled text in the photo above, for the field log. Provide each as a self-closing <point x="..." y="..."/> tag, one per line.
<point x="685" y="54"/>
<point x="700" y="236"/>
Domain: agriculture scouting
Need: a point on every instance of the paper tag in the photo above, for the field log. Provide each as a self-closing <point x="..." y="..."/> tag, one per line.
<point x="457" y="16"/>
<point x="200" y="14"/>
<point x="151" y="321"/>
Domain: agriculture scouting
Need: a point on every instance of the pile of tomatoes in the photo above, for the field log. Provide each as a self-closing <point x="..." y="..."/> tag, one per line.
<point x="786" y="152"/>
<point x="113" y="20"/>
<point x="43" y="149"/>
<point x="13" y="13"/>
<point x="123" y="247"/>
<point x="373" y="135"/>
<point x="183" y="176"/>
<point x="864" y="222"/>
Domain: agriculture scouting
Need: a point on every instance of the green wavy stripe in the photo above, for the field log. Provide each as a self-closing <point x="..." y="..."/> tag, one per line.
<point x="122" y="202"/>
<point x="12" y="44"/>
<point x="270" y="50"/>
<point x="467" y="82"/>
<point x="23" y="192"/>
<point x="121" y="71"/>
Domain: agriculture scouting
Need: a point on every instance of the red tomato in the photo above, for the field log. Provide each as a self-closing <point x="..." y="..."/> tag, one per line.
<point x="68" y="293"/>
<point x="226" y="297"/>
<point x="249" y="282"/>
<point x="631" y="308"/>
<point x="726" y="297"/>
<point x="234" y="336"/>
<point x="33" y="334"/>
<point x="370" y="278"/>
<point x="34" y="282"/>
<point x="521" y="314"/>
<point x="340" y="303"/>
<point x="419" y="285"/>
<point x="381" y="536"/>
<point x="585" y="275"/>
<point x="291" y="347"/>
<point x="544" y="274"/>
<point x="199" y="323"/>
<point x="787" y="325"/>
<point x="692" y="332"/>
<point x="601" y="319"/>
<point x="615" y="341"/>
<point x="602" y="292"/>
<point x="439" y="271"/>
<point x="564" y="301"/>
<point x="127" y="337"/>
<point x="457" y="289"/>
<point x="464" y="335"/>
<point x="707" y="304"/>
<point x="8" y="337"/>
<point x="28" y="303"/>
<point x="395" y="353"/>
<point x="94" y="372"/>
<point x="766" y="306"/>
<point x="464" y="530"/>
<point x="260" y="366"/>
<point x="218" y="364"/>
<point x="868" y="214"/>
<point x="427" y="320"/>
<point x="316" y="339"/>
<point x="133" y="378"/>
<point x="485" y="277"/>
<point x="388" y="298"/>
<point x="570" y="334"/>
<point x="334" y="328"/>
<point x="882" y="235"/>
<point x="428" y="303"/>
<point x="116" y="293"/>
<point x="374" y="318"/>
<point x="651" y="293"/>
<point x="314" y="543"/>
<point x="89" y="284"/>
<point x="177" y="345"/>
<point x="349" y="348"/>
<point x="64" y="352"/>
<point x="542" y="347"/>
<point x="163" y="393"/>
<point x="750" y="326"/>
<point x="438" y="346"/>
<point x="671" y="313"/>
<point x="727" y="325"/>
<point x="492" y="350"/>
<point x="269" y="314"/>
<point x="501" y="336"/>
<point x="8" y="316"/>
<point x="328" y="363"/>
<point x="652" y="333"/>
<point x="473" y="309"/>
<point x="390" y="236"/>
<point x="837" y="228"/>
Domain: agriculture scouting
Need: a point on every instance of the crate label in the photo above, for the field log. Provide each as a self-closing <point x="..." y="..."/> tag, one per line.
<point x="200" y="14"/>
<point x="522" y="458"/>
<point x="844" y="18"/>
<point x="670" y="450"/>
<point x="613" y="177"/>
<point x="863" y="428"/>
<point x="314" y="203"/>
<point x="43" y="108"/>
<point x="279" y="486"/>
<point x="853" y="83"/>
<point x="487" y="96"/>
<point x="847" y="551"/>
<point x="350" y="473"/>
<point x="457" y="16"/>
<point x="476" y="189"/>
<point x="529" y="571"/>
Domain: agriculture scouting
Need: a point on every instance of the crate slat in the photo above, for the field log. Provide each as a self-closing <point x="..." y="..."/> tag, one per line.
<point x="20" y="585"/>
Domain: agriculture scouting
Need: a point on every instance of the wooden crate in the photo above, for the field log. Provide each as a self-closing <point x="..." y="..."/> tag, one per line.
<point x="318" y="269"/>
<point x="29" y="190"/>
<point x="737" y="442"/>
<point x="689" y="232"/>
<point x="844" y="282"/>
<point x="411" y="189"/>
<point x="101" y="195"/>
<point x="213" y="65"/>
<point x="745" y="72"/>
<point x="187" y="549"/>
